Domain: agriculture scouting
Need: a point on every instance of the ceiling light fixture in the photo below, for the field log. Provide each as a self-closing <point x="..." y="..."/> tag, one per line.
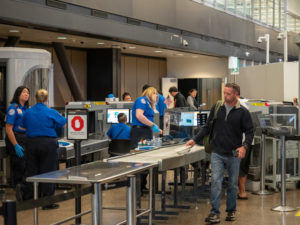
<point x="247" y="53"/>
<point x="14" y="31"/>
<point x="100" y="43"/>
<point x="61" y="38"/>
<point x="179" y="54"/>
<point x="131" y="47"/>
<point x="158" y="51"/>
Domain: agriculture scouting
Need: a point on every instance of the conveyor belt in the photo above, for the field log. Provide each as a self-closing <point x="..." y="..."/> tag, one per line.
<point x="166" y="158"/>
<point x="87" y="147"/>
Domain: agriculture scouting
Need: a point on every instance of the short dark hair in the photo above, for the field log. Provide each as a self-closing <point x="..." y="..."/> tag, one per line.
<point x="173" y="89"/>
<point x="234" y="86"/>
<point x="145" y="87"/>
<point x="192" y="90"/>
<point x="17" y="94"/>
<point x="124" y="95"/>
<point x="122" y="118"/>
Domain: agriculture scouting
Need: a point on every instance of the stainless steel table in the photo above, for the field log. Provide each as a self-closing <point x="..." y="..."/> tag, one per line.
<point x="97" y="173"/>
<point x="166" y="158"/>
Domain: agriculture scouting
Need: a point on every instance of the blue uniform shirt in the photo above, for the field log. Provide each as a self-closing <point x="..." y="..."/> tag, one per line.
<point x="41" y="121"/>
<point x="119" y="131"/>
<point x="144" y="104"/>
<point x="161" y="105"/>
<point x="14" y="116"/>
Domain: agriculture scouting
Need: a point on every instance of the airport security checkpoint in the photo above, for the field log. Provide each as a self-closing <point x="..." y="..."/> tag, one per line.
<point x="122" y="120"/>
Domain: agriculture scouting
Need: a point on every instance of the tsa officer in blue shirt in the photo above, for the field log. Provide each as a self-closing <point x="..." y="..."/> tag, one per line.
<point x="143" y="117"/>
<point x="143" y="121"/>
<point x="15" y="137"/>
<point x="40" y="123"/>
<point x="160" y="106"/>
<point x="120" y="130"/>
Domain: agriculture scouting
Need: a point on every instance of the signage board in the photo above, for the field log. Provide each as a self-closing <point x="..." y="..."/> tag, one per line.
<point x="77" y="128"/>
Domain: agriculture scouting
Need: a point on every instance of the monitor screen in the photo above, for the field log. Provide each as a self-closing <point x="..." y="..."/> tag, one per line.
<point x="265" y="122"/>
<point x="188" y="119"/>
<point x="130" y="116"/>
<point x="112" y="115"/>
<point x="203" y="116"/>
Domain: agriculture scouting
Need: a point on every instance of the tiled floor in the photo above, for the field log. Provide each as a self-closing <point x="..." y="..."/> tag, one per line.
<point x="254" y="211"/>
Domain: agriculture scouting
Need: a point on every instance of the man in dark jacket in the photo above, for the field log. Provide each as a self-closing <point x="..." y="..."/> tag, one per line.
<point x="179" y="99"/>
<point x="227" y="149"/>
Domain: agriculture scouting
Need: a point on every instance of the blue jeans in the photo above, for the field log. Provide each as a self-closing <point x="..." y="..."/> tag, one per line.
<point x="218" y="163"/>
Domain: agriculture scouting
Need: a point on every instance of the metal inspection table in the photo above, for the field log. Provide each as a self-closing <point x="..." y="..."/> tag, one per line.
<point x="95" y="174"/>
<point x="166" y="158"/>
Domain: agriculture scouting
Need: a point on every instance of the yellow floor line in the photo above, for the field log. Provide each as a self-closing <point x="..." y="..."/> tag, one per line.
<point x="298" y="213"/>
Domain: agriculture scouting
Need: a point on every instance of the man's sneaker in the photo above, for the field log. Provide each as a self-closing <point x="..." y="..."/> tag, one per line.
<point x="231" y="216"/>
<point x="212" y="218"/>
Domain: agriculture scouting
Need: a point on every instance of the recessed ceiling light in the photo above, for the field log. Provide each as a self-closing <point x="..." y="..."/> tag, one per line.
<point x="158" y="51"/>
<point x="179" y="54"/>
<point x="14" y="31"/>
<point x="195" y="56"/>
<point x="131" y="47"/>
<point x="175" y="35"/>
<point x="100" y="43"/>
<point x="61" y="38"/>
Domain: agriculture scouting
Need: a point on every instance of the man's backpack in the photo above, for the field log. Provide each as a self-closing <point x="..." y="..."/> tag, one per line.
<point x="207" y="138"/>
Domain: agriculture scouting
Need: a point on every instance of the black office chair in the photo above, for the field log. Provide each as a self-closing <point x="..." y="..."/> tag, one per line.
<point x="119" y="147"/>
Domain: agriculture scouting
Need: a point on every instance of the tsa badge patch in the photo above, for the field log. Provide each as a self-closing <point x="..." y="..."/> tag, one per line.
<point x="11" y="112"/>
<point x="143" y="101"/>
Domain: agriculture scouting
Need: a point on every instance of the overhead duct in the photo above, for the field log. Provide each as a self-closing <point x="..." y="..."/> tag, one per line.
<point x="68" y="71"/>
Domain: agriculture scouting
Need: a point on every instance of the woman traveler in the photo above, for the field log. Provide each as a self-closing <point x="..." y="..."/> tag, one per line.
<point x="15" y="137"/>
<point x="191" y="99"/>
<point x="40" y="123"/>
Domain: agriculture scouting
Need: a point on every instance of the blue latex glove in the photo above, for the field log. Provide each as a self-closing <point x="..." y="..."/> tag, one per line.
<point x="155" y="128"/>
<point x="19" y="150"/>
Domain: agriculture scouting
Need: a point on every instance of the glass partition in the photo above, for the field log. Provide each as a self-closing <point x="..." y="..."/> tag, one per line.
<point x="270" y="13"/>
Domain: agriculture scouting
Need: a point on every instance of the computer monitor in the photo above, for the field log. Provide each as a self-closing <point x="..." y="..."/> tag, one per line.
<point x="188" y="119"/>
<point x="202" y="117"/>
<point x="130" y="115"/>
<point x="265" y="122"/>
<point x="112" y="115"/>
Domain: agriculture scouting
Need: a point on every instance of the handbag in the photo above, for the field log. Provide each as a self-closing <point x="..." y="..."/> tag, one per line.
<point x="207" y="138"/>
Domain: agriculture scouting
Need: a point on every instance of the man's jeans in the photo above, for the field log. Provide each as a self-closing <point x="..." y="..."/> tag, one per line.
<point x="218" y="163"/>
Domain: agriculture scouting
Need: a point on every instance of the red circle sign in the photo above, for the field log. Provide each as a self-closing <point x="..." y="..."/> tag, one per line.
<point x="73" y="123"/>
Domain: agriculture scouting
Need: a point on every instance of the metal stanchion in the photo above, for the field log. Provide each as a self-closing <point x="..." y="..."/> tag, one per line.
<point x="283" y="207"/>
<point x="9" y="212"/>
<point x="35" y="196"/>
<point x="97" y="204"/>
<point x="150" y="194"/>
<point x="262" y="190"/>
<point x="77" y="148"/>
<point x="131" y="201"/>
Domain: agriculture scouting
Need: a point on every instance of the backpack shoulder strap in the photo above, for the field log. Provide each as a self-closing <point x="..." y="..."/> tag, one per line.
<point x="217" y="107"/>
